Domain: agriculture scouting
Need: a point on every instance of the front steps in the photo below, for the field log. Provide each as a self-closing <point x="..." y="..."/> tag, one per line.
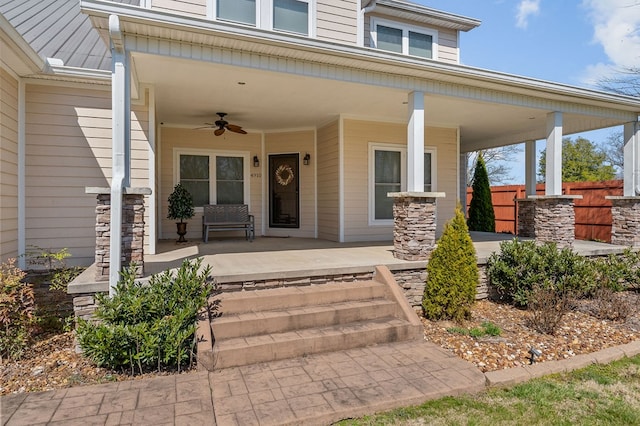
<point x="273" y="324"/>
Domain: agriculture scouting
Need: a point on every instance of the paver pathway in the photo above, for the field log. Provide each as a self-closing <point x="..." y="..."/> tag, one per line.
<point x="317" y="389"/>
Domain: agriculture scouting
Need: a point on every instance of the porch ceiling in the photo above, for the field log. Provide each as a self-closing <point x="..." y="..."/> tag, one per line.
<point x="189" y="93"/>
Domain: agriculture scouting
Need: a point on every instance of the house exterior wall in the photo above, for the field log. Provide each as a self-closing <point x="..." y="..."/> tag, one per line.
<point x="357" y="137"/>
<point x="185" y="7"/>
<point x="8" y="166"/>
<point x="173" y="140"/>
<point x="68" y="148"/>
<point x="337" y="20"/>
<point x="328" y="164"/>
<point x="447" y="38"/>
<point x="301" y="142"/>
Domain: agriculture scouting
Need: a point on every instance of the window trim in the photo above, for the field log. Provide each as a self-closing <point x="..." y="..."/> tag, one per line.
<point x="406" y="28"/>
<point x="212" y="154"/>
<point x="380" y="146"/>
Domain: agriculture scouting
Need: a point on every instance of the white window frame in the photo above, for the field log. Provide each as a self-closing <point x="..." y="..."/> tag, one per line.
<point x="212" y="154"/>
<point x="264" y="16"/>
<point x="406" y="28"/>
<point x="377" y="146"/>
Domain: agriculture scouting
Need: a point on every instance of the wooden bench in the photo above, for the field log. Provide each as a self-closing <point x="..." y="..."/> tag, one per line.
<point x="227" y="217"/>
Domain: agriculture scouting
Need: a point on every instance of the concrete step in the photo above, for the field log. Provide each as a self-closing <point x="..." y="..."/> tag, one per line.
<point x="275" y="346"/>
<point x="280" y="321"/>
<point x="295" y="297"/>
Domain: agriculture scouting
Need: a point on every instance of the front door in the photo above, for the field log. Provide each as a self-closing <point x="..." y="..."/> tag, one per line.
<point x="284" y="200"/>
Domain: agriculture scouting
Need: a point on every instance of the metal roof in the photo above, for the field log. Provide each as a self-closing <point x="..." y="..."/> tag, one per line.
<point x="58" y="29"/>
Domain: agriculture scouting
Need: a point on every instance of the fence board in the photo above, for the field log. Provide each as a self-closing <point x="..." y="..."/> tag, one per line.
<point x="593" y="211"/>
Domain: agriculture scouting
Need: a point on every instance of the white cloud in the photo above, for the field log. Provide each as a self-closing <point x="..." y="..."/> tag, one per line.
<point x="526" y="8"/>
<point x="616" y="26"/>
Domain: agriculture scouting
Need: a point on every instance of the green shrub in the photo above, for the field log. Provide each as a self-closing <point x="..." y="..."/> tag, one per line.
<point x="16" y="311"/>
<point x="149" y="325"/>
<point x="520" y="265"/>
<point x="487" y="329"/>
<point x="617" y="272"/>
<point x="452" y="273"/>
<point x="481" y="214"/>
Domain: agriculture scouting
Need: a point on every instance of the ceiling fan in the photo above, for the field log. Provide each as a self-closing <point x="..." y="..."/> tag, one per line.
<point x="221" y="125"/>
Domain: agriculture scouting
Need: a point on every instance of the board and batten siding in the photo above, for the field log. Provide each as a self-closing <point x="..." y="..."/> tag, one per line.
<point x="337" y="20"/>
<point x="8" y="166"/>
<point x="184" y="7"/>
<point x="328" y="164"/>
<point x="357" y="137"/>
<point x="447" y="38"/>
<point x="300" y="142"/>
<point x="68" y="148"/>
<point x="203" y="141"/>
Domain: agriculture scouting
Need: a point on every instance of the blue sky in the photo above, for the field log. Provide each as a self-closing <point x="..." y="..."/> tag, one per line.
<point x="574" y="42"/>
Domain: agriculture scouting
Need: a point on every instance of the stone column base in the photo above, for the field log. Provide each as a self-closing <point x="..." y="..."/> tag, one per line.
<point x="414" y="218"/>
<point x="548" y="219"/>
<point x="625" y="223"/>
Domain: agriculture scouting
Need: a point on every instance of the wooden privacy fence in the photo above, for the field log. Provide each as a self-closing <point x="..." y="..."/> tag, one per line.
<point x="593" y="211"/>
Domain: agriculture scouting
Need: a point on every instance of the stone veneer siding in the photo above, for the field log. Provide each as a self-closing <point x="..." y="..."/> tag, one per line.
<point x="548" y="219"/>
<point x="132" y="233"/>
<point x="625" y="225"/>
<point x="414" y="220"/>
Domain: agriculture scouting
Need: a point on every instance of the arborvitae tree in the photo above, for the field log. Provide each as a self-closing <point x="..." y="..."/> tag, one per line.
<point x="452" y="274"/>
<point x="481" y="215"/>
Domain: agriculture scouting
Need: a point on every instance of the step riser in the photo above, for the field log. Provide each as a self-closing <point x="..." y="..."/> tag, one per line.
<point x="258" y="302"/>
<point x="234" y="357"/>
<point x="285" y="322"/>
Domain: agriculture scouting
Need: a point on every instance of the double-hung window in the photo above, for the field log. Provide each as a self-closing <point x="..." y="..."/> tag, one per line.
<point x="387" y="173"/>
<point x="291" y="16"/>
<point x="400" y="38"/>
<point x="214" y="177"/>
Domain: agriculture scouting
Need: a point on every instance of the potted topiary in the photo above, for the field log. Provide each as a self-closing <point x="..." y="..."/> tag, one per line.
<point x="181" y="207"/>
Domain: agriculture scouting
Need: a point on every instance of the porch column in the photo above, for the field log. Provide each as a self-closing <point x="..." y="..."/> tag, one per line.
<point x="415" y="143"/>
<point x="121" y="144"/>
<point x="414" y="220"/>
<point x="553" y="172"/>
<point x="530" y="168"/>
<point x="625" y="210"/>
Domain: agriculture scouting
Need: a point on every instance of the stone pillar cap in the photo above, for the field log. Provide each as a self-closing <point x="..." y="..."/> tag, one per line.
<point x="551" y="197"/>
<point x="622" y="197"/>
<point x="416" y="194"/>
<point x="128" y="190"/>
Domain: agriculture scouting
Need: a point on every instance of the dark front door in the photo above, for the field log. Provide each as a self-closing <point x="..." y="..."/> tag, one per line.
<point x="284" y="201"/>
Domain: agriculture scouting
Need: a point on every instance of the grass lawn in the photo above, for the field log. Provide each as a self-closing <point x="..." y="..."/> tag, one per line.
<point x="597" y="395"/>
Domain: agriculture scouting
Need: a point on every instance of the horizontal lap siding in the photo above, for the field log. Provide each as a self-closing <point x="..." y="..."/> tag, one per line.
<point x="8" y="166"/>
<point x="328" y="182"/>
<point x="204" y="140"/>
<point x="337" y="21"/>
<point x="188" y="7"/>
<point x="288" y="143"/>
<point x="68" y="148"/>
<point x="357" y="136"/>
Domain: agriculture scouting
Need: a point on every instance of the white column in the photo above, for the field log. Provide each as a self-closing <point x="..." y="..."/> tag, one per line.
<point x="553" y="172"/>
<point x="121" y="140"/>
<point x="530" y="167"/>
<point x="463" y="181"/>
<point x="631" y="167"/>
<point x="415" y="143"/>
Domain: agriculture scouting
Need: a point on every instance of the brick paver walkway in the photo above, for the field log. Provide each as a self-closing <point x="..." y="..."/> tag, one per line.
<point x="317" y="389"/>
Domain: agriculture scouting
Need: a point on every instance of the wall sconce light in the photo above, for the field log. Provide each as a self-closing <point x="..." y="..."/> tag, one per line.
<point x="535" y="353"/>
<point x="256" y="161"/>
<point x="307" y="159"/>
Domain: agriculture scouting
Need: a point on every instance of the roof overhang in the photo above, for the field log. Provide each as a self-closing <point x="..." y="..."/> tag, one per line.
<point x="426" y="15"/>
<point x="16" y="52"/>
<point x="490" y="108"/>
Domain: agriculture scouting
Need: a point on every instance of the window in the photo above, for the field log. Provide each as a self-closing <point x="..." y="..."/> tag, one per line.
<point x="243" y="11"/>
<point x="401" y="38"/>
<point x="214" y="177"/>
<point x="292" y="16"/>
<point x="387" y="173"/>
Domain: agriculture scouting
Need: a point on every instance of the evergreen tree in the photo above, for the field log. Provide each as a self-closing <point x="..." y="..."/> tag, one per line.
<point x="481" y="215"/>
<point x="582" y="161"/>
<point x="452" y="273"/>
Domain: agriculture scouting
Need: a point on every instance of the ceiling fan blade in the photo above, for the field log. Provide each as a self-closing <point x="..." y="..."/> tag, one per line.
<point x="219" y="131"/>
<point x="236" y="129"/>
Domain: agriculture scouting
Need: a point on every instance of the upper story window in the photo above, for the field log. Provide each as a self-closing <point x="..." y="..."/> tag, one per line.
<point x="291" y="16"/>
<point x="402" y="38"/>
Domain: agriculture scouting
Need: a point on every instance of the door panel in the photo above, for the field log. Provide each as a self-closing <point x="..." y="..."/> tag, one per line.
<point x="284" y="199"/>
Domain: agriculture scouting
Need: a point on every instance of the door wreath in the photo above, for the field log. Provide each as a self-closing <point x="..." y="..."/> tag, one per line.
<point x="284" y="174"/>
